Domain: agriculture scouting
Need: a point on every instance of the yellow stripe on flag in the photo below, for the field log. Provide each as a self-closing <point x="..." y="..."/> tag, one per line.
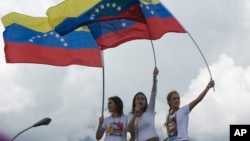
<point x="39" y="24"/>
<point x="68" y="8"/>
<point x="35" y="23"/>
<point x="149" y="1"/>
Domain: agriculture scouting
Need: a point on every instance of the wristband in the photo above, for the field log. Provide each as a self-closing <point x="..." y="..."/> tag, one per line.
<point x="155" y="80"/>
<point x="154" y="77"/>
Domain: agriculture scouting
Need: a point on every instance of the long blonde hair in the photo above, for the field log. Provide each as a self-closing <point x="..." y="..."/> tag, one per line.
<point x="170" y="108"/>
<point x="169" y="98"/>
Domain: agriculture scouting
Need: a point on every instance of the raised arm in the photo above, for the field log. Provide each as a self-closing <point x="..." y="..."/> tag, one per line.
<point x="201" y="96"/>
<point x="151" y="105"/>
<point x="155" y="73"/>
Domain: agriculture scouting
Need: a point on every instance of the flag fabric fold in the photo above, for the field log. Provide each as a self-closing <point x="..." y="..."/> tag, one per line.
<point x="68" y="8"/>
<point x="113" y="22"/>
<point x="112" y="33"/>
<point x="31" y="40"/>
<point x="101" y="11"/>
<point x="157" y="21"/>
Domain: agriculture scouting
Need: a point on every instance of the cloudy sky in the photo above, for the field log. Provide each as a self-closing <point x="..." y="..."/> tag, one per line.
<point x="72" y="96"/>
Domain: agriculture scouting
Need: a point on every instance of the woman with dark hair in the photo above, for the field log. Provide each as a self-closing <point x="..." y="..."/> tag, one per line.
<point x="114" y="125"/>
<point x="142" y="118"/>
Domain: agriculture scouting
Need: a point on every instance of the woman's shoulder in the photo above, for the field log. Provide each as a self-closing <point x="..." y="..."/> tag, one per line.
<point x="184" y="109"/>
<point x="107" y="117"/>
<point x="185" y="106"/>
<point x="124" y="116"/>
<point x="130" y="115"/>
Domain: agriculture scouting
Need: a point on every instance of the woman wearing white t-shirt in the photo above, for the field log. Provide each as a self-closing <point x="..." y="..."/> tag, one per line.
<point x="177" y="119"/>
<point x="142" y="117"/>
<point x="115" y="125"/>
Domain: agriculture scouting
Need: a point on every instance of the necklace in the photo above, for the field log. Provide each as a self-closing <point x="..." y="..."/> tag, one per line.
<point x="119" y="120"/>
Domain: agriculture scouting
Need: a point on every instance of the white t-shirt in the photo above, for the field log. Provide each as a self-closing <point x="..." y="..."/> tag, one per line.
<point x="177" y="124"/>
<point x="144" y="127"/>
<point x="115" y="128"/>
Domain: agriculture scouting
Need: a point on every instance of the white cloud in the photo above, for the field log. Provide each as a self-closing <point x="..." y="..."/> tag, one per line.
<point x="224" y="106"/>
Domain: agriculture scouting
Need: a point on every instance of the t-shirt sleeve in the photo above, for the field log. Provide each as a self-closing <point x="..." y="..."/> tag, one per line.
<point x="151" y="105"/>
<point x="126" y="119"/>
<point x="105" y="122"/>
<point x="185" y="109"/>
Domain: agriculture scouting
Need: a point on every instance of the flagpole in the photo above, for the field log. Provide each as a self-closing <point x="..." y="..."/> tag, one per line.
<point x="152" y="45"/>
<point x="153" y="49"/>
<point x="196" y="47"/>
<point x="201" y="54"/>
<point x="103" y="82"/>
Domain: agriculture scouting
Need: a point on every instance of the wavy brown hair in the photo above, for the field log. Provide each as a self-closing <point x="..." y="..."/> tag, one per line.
<point x="118" y="104"/>
<point x="134" y="104"/>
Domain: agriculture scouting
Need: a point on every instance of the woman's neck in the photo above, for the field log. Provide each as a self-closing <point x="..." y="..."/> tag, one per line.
<point x="174" y="110"/>
<point x="115" y="115"/>
<point x="139" y="114"/>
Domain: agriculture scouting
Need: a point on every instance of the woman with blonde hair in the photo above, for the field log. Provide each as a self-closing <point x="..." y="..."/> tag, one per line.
<point x="177" y="118"/>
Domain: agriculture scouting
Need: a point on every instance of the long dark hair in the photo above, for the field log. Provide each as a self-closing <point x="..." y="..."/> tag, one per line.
<point x="134" y="104"/>
<point x="118" y="104"/>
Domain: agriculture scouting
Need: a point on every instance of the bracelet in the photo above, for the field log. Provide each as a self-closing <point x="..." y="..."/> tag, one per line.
<point x="155" y="80"/>
<point x="154" y="77"/>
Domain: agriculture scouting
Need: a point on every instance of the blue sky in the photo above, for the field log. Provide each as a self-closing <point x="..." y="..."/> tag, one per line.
<point x="71" y="96"/>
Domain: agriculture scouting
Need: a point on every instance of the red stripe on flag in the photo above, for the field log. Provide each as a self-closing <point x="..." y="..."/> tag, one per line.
<point x="115" y="38"/>
<point x="30" y="53"/>
<point x="158" y="26"/>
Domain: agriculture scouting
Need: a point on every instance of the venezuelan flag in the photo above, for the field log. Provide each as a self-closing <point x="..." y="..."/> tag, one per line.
<point x="111" y="33"/>
<point x="157" y="21"/>
<point x="92" y="11"/>
<point x="31" y="40"/>
<point x="68" y="8"/>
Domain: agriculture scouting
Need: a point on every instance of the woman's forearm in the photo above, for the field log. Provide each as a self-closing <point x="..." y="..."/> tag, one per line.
<point x="131" y="123"/>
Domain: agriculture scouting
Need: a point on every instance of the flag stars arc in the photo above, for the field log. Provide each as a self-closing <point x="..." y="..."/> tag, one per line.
<point x="151" y="11"/>
<point x="104" y="7"/>
<point x="51" y="34"/>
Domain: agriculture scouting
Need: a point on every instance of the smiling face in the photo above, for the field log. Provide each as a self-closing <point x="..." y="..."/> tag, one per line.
<point x="173" y="99"/>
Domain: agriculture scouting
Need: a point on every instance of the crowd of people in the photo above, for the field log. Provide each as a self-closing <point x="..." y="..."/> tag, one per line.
<point x="140" y="122"/>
